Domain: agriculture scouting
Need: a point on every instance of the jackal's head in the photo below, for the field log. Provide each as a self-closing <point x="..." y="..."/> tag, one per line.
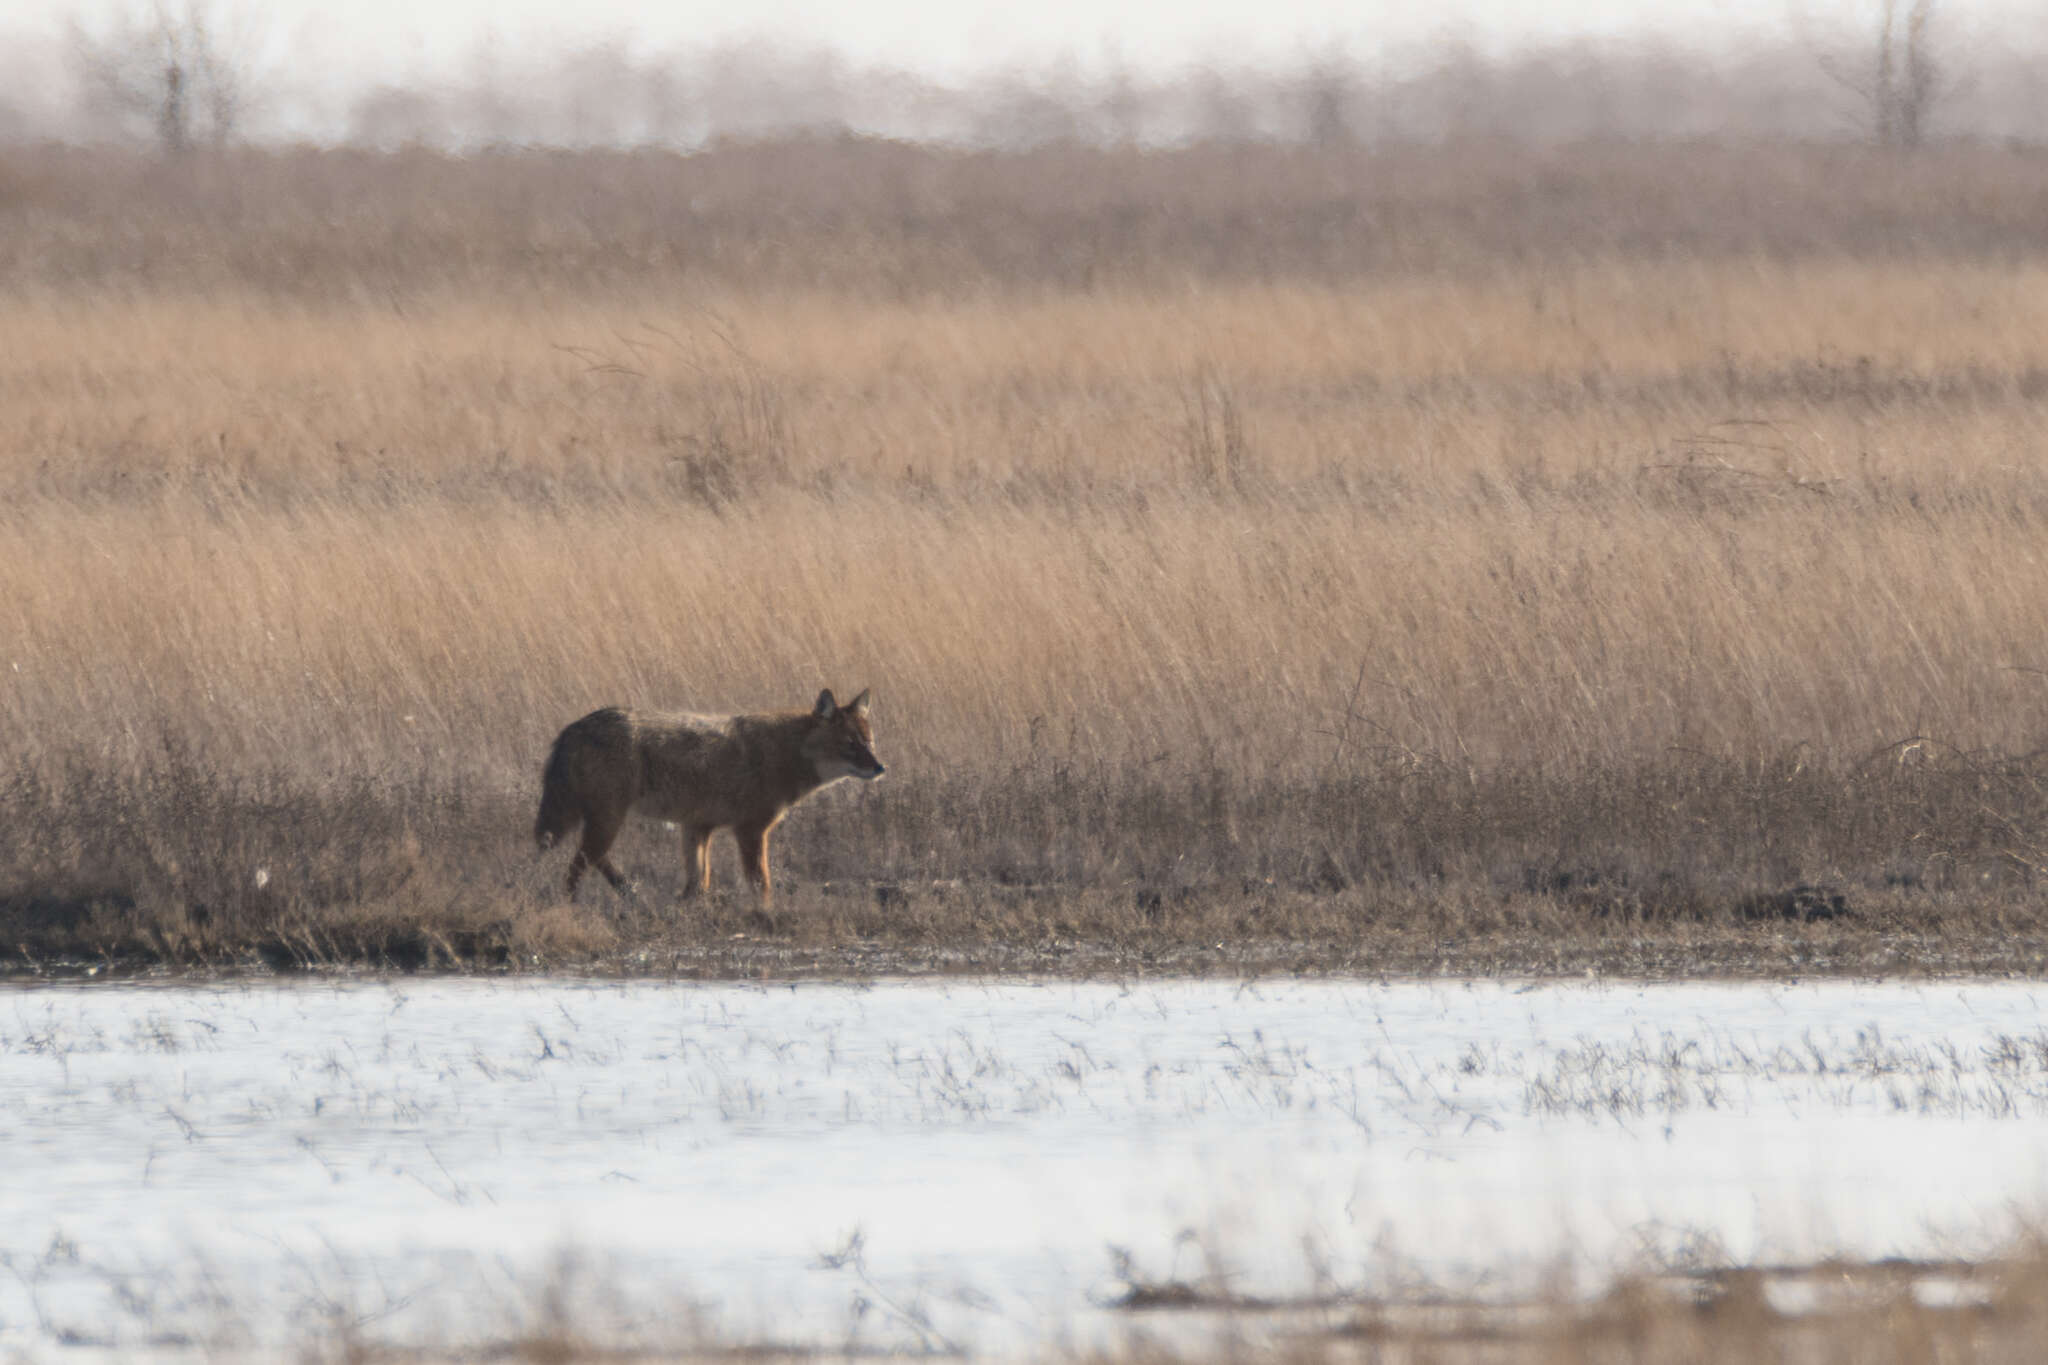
<point x="841" y="743"/>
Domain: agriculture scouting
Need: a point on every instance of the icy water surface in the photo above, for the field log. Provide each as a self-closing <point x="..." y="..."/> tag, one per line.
<point x="957" y="1163"/>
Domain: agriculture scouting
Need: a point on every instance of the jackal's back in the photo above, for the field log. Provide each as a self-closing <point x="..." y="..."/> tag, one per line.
<point x="722" y="770"/>
<point x="674" y="765"/>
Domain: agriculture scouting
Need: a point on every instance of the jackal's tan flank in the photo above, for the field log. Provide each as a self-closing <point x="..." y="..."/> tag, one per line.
<point x="705" y="773"/>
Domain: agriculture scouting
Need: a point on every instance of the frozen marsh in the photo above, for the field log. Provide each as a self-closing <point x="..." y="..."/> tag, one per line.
<point x="960" y="1165"/>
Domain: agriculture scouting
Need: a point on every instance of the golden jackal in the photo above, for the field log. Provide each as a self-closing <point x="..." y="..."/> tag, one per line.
<point x="705" y="773"/>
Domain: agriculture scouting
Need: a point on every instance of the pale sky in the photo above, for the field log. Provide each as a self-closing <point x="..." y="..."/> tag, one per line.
<point x="411" y="39"/>
<point x="318" y="57"/>
<point x="945" y="38"/>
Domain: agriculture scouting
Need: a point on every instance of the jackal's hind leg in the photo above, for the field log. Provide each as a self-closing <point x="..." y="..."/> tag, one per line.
<point x="753" y="841"/>
<point x="696" y="859"/>
<point x="599" y="830"/>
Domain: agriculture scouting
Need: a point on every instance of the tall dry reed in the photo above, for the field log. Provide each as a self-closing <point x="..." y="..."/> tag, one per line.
<point x="1654" y="585"/>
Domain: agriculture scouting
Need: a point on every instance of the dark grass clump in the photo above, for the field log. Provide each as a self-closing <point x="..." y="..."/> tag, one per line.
<point x="1693" y="867"/>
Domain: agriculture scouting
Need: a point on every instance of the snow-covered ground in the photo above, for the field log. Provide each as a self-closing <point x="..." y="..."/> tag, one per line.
<point x="959" y="1163"/>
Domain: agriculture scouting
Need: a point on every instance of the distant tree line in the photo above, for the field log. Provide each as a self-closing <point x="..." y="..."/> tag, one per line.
<point x="192" y="73"/>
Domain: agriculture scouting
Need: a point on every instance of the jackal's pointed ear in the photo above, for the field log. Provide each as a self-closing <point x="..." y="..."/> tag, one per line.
<point x="859" y="705"/>
<point x="826" y="707"/>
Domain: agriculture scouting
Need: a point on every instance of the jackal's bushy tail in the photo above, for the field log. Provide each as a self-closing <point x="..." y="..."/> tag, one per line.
<point x="558" y="812"/>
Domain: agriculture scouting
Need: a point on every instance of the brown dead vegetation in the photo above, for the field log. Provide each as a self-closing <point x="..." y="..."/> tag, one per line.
<point x="1336" y="560"/>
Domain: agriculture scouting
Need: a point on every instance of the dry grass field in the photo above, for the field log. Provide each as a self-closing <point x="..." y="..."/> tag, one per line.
<point x="1874" y="1313"/>
<point x="1868" y="1313"/>
<point x="1601" y="559"/>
